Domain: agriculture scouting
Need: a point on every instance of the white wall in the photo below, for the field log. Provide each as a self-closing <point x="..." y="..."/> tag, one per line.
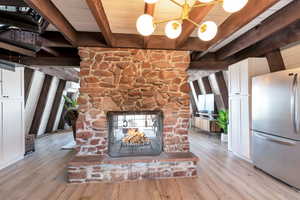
<point x="33" y="97"/>
<point x="291" y="56"/>
<point x="48" y="106"/>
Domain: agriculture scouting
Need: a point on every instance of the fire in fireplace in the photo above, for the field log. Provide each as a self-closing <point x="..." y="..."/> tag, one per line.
<point x="137" y="133"/>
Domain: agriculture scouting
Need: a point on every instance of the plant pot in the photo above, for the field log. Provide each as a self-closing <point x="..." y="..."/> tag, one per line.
<point x="224" y="137"/>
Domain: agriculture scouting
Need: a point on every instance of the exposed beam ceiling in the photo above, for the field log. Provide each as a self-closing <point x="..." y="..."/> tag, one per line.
<point x="149" y="9"/>
<point x="48" y="10"/>
<point x="197" y="15"/>
<point x="277" y="21"/>
<point x="16" y="49"/>
<point x="97" y="10"/>
<point x="239" y="19"/>
<point x="280" y="39"/>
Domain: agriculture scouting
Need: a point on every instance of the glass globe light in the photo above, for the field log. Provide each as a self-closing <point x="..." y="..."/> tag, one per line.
<point x="207" y="31"/>
<point x="205" y="1"/>
<point x="151" y="1"/>
<point x="173" y="29"/>
<point x="144" y="25"/>
<point x="234" y="6"/>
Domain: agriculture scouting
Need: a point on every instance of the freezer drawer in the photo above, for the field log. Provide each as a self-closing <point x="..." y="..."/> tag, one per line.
<point x="278" y="157"/>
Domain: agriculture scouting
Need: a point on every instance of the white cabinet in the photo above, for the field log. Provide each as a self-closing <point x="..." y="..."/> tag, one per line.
<point x="12" y="137"/>
<point x="12" y="82"/>
<point x="240" y="78"/>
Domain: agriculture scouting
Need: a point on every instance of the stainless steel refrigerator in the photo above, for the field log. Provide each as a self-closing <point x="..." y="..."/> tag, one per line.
<point x="276" y="125"/>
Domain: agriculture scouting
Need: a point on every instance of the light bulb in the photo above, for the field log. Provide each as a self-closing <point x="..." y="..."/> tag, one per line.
<point x="173" y="29"/>
<point x="144" y="25"/>
<point x="151" y="1"/>
<point x="234" y="6"/>
<point x="207" y="31"/>
<point x="205" y="1"/>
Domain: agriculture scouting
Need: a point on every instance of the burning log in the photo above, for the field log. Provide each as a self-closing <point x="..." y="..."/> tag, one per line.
<point x="135" y="137"/>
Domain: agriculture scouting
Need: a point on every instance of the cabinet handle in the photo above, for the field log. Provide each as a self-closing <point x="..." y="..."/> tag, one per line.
<point x="5" y="96"/>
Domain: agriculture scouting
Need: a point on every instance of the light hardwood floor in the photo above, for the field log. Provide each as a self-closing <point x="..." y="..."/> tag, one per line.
<point x="221" y="176"/>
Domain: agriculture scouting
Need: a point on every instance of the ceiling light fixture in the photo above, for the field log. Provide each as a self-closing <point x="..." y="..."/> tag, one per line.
<point x="206" y="31"/>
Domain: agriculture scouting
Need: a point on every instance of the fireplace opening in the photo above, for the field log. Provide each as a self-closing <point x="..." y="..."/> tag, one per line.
<point x="135" y="133"/>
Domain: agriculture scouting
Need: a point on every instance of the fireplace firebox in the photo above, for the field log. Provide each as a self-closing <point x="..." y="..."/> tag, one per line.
<point x="135" y="133"/>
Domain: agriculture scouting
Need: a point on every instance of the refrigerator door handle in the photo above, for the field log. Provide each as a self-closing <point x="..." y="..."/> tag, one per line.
<point x="294" y="102"/>
<point x="275" y="139"/>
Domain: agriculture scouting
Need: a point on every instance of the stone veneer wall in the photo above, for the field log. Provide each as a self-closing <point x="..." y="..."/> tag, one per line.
<point x="132" y="80"/>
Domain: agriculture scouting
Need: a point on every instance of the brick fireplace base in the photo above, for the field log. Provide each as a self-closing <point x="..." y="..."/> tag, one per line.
<point x="84" y="169"/>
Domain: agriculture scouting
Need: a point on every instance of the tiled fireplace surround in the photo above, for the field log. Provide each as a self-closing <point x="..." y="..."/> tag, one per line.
<point x="132" y="80"/>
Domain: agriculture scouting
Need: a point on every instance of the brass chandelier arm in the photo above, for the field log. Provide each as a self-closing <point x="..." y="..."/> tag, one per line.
<point x="175" y="2"/>
<point x="167" y="20"/>
<point x="197" y="25"/>
<point x="207" y="4"/>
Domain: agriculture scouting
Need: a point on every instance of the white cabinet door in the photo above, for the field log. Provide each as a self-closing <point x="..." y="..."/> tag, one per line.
<point x="245" y="128"/>
<point x="12" y="83"/>
<point x="235" y="123"/>
<point x="234" y="79"/>
<point x="13" y="134"/>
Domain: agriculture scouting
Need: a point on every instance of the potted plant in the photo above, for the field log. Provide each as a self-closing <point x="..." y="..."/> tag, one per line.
<point x="222" y="122"/>
<point x="71" y="114"/>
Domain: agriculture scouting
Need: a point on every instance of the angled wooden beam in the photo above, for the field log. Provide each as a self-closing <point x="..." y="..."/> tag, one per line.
<point x="280" y="20"/>
<point x="275" y="61"/>
<point x="49" y="11"/>
<point x="239" y="19"/>
<point x="197" y="87"/>
<point x="149" y="9"/>
<point x="197" y="15"/>
<point x="221" y="84"/>
<point x="17" y="49"/>
<point x="40" y="106"/>
<point x="193" y="103"/>
<point x="97" y="10"/>
<point x="206" y="85"/>
<point x="28" y="74"/>
<point x="55" y="106"/>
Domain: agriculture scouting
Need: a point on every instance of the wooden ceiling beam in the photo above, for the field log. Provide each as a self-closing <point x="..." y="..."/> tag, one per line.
<point x="280" y="20"/>
<point x="197" y="14"/>
<point x="98" y="11"/>
<point x="49" y="11"/>
<point x="149" y="9"/>
<point x="43" y="61"/>
<point x="275" y="61"/>
<point x="239" y="19"/>
<point x="18" y="3"/>
<point x="17" y="49"/>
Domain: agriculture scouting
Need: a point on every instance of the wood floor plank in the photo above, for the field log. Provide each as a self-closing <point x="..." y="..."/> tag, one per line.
<point x="222" y="176"/>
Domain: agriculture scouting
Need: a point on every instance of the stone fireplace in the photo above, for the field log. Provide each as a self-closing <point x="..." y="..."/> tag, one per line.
<point x="134" y="116"/>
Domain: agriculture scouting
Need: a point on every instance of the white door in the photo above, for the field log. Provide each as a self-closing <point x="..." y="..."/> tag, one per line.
<point x="12" y="83"/>
<point x="234" y="124"/>
<point x="13" y="137"/>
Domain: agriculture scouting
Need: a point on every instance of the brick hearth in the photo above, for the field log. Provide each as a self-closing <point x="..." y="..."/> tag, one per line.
<point x="132" y="80"/>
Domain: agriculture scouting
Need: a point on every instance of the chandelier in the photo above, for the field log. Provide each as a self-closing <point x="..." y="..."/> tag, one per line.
<point x="206" y="31"/>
